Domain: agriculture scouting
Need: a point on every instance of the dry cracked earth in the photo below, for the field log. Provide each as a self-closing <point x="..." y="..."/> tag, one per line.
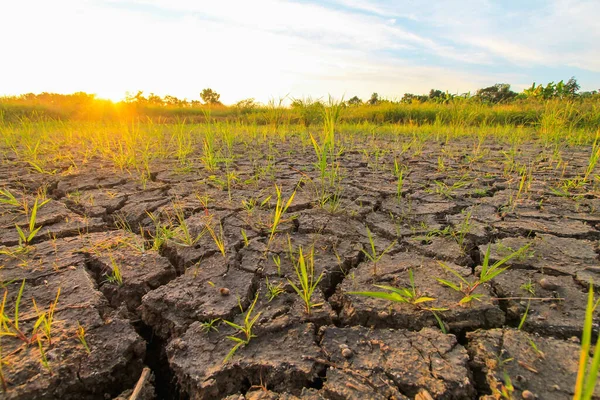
<point x="348" y="347"/>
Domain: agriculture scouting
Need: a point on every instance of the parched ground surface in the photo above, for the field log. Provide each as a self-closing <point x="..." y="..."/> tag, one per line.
<point x="167" y="308"/>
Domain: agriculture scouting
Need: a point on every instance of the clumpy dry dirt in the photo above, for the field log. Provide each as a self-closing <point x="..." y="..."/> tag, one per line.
<point x="499" y="352"/>
<point x="143" y="303"/>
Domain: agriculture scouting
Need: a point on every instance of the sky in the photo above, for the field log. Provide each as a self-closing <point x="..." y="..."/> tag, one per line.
<point x="268" y="49"/>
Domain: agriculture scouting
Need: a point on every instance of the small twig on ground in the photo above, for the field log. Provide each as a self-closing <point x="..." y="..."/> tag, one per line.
<point x="529" y="298"/>
<point x="140" y="383"/>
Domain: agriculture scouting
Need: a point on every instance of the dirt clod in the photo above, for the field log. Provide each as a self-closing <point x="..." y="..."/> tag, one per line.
<point x="548" y="365"/>
<point x="527" y="395"/>
<point x="547" y="284"/>
<point x="347" y="353"/>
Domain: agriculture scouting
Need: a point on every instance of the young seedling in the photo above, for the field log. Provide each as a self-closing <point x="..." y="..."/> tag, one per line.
<point x="24" y="239"/>
<point x="507" y="388"/>
<point x="524" y="184"/>
<point x="43" y="358"/>
<point x="6" y="197"/>
<point x="162" y="233"/>
<point x="231" y="179"/>
<point x="321" y="152"/>
<point x="402" y="295"/>
<point x="39" y="168"/>
<point x="330" y="201"/>
<point x="115" y="275"/>
<point x="183" y="232"/>
<point x="277" y="261"/>
<point x="211" y="325"/>
<point x="245" y="237"/>
<point x="331" y="115"/>
<point x="327" y="155"/>
<point x="448" y="191"/>
<point x="218" y="237"/>
<point x="249" y="205"/>
<point x="280" y="209"/>
<point x="132" y="241"/>
<point x="587" y="373"/>
<point x="209" y="157"/>
<point x="273" y="290"/>
<point x="10" y="327"/>
<point x="80" y="333"/>
<point x="305" y="272"/>
<point x="204" y="201"/>
<point x="441" y="166"/>
<point x="45" y="319"/>
<point x="463" y="230"/>
<point x="245" y="330"/>
<point x="373" y="256"/>
<point x="503" y="389"/>
<point x="75" y="196"/>
<point x="466" y="287"/>
<point x="528" y="287"/>
<point x="399" y="174"/>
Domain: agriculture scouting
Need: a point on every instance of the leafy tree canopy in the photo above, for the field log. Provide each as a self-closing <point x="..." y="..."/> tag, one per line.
<point x="209" y="96"/>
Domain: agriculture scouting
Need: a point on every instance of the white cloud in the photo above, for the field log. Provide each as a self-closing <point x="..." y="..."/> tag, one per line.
<point x="515" y="52"/>
<point x="384" y="9"/>
<point x="267" y="48"/>
<point x="554" y="33"/>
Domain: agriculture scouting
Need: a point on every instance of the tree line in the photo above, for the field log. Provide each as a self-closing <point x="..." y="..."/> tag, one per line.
<point x="499" y="93"/>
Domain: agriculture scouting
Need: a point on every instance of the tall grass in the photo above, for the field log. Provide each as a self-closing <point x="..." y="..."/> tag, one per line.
<point x="549" y="116"/>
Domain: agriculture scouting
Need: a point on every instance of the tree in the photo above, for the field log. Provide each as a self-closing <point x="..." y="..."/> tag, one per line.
<point x="571" y="87"/>
<point x="590" y="94"/>
<point x="552" y="90"/>
<point x="436" y="95"/>
<point x="549" y="91"/>
<point x="209" y="96"/>
<point x="172" y="101"/>
<point x="154" y="100"/>
<point x="498" y="93"/>
<point x="355" y="101"/>
<point x="135" y="98"/>
<point x="410" y="98"/>
<point x="374" y="99"/>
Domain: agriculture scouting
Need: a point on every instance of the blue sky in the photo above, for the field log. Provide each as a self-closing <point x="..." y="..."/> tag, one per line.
<point x="270" y="48"/>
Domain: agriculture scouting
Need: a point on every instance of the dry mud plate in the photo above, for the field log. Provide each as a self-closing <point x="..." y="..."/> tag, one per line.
<point x="185" y="273"/>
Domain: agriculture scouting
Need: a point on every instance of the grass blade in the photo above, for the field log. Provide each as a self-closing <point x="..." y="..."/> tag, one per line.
<point x="453" y="272"/>
<point x="586" y="339"/>
<point x="33" y="216"/>
<point x="17" y="302"/>
<point x="382" y="295"/>
<point x="448" y="283"/>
